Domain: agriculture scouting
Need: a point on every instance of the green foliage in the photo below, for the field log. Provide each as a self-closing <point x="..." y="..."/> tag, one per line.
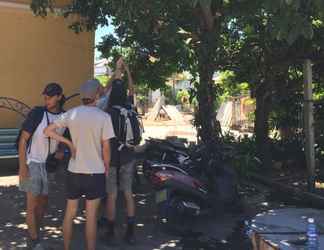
<point x="229" y="86"/>
<point x="183" y="97"/>
<point x="142" y="92"/>
<point x="169" y="95"/>
<point x="261" y="41"/>
<point x="243" y="158"/>
<point x="251" y="117"/>
<point x="287" y="112"/>
<point x="180" y="35"/>
<point x="289" y="150"/>
<point x="319" y="130"/>
<point x="103" y="79"/>
<point x="145" y="69"/>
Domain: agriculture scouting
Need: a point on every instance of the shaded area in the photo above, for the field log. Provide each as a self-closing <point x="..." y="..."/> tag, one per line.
<point x="221" y="231"/>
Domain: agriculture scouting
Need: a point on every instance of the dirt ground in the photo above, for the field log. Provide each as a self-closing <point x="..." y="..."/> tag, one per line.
<point x="151" y="233"/>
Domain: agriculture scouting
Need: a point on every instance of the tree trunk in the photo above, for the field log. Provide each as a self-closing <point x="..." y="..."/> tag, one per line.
<point x="261" y="128"/>
<point x="205" y="117"/>
<point x="206" y="52"/>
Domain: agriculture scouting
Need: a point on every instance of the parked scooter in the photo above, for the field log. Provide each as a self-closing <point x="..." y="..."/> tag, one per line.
<point x="166" y="151"/>
<point x="165" y="155"/>
<point x="178" y="194"/>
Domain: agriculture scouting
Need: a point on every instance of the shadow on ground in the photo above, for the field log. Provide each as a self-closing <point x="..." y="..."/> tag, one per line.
<point x="151" y="234"/>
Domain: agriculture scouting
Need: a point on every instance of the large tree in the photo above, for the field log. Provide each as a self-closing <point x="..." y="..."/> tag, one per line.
<point x="193" y="35"/>
<point x="265" y="49"/>
<point x="180" y="35"/>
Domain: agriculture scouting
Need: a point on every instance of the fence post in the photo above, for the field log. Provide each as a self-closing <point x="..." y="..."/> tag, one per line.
<point x="309" y="124"/>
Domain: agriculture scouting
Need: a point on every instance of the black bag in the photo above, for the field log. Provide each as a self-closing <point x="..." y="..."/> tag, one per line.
<point x="129" y="127"/>
<point x="51" y="162"/>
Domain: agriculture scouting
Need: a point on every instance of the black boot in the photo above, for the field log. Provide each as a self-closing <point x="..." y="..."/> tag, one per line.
<point x="110" y="235"/>
<point x="103" y="222"/>
<point x="130" y="235"/>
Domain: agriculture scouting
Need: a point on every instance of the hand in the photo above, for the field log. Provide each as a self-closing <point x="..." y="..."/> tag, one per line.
<point x="59" y="155"/>
<point x="23" y="173"/>
<point x="106" y="171"/>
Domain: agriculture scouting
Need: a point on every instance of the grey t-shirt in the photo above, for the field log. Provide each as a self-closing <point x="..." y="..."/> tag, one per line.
<point x="88" y="126"/>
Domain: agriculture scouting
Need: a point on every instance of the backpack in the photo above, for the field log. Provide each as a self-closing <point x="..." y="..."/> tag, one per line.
<point x="36" y="116"/>
<point x="128" y="126"/>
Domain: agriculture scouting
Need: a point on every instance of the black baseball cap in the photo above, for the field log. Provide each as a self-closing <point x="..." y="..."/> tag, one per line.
<point x="53" y="89"/>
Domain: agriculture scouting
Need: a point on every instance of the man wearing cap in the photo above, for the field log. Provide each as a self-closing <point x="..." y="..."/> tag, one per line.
<point x="34" y="147"/>
<point x="90" y="129"/>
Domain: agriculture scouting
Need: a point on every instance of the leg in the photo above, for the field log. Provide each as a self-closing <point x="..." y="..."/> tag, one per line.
<point x="130" y="203"/>
<point x="91" y="223"/>
<point x="70" y="213"/>
<point x="126" y="185"/>
<point x="31" y="218"/>
<point x="33" y="188"/>
<point x="111" y="206"/>
<point x="111" y="190"/>
<point x="102" y="208"/>
<point x="127" y="175"/>
<point x="42" y="202"/>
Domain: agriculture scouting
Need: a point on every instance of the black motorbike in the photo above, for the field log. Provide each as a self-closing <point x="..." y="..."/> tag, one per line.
<point x="167" y="155"/>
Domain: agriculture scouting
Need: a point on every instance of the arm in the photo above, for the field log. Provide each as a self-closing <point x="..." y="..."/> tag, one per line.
<point x="22" y="146"/>
<point x="116" y="75"/>
<point x="50" y="131"/>
<point x="28" y="127"/>
<point x="130" y="81"/>
<point x="119" y="69"/>
<point x="106" y="154"/>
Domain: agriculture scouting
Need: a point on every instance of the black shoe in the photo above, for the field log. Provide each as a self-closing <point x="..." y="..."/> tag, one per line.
<point x="129" y="237"/>
<point x="110" y="239"/>
<point x="109" y="236"/>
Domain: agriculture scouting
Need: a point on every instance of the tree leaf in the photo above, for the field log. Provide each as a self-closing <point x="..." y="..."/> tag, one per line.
<point x="205" y="3"/>
<point x="308" y="31"/>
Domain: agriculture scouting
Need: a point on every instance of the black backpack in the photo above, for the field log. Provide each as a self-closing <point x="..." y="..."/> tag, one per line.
<point x="128" y="126"/>
<point x="36" y="115"/>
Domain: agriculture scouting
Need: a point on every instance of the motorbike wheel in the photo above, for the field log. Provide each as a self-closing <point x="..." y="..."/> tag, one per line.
<point x="172" y="217"/>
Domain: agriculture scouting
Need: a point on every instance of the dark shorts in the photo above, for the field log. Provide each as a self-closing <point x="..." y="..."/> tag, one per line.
<point x="92" y="186"/>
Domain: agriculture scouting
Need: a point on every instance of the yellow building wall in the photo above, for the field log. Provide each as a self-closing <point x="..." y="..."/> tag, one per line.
<point x="57" y="3"/>
<point x="35" y="51"/>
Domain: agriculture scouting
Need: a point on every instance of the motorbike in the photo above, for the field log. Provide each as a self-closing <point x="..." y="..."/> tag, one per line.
<point x="179" y="194"/>
<point x="166" y="155"/>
